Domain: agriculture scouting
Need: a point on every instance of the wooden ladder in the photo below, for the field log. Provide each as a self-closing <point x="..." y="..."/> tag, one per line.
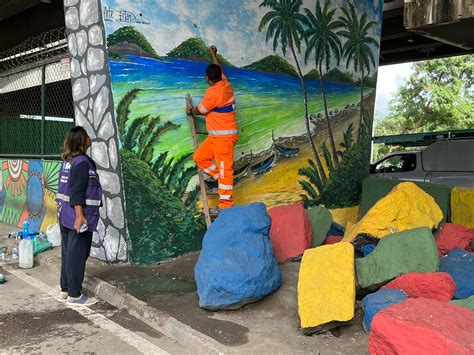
<point x="202" y="184"/>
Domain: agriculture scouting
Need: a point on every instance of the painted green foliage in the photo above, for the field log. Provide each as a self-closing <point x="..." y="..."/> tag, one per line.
<point x="156" y="186"/>
<point x="160" y="225"/>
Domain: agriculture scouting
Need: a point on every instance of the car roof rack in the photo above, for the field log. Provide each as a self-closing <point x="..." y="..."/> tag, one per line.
<point x="423" y="139"/>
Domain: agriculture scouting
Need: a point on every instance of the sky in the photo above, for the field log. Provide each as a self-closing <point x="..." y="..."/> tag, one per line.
<point x="173" y="21"/>
<point x="390" y="78"/>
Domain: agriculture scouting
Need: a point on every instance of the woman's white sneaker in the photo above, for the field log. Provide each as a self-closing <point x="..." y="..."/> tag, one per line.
<point x="62" y="297"/>
<point x="82" y="301"/>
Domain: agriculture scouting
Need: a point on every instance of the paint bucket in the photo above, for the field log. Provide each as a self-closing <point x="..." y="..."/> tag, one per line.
<point x="54" y="234"/>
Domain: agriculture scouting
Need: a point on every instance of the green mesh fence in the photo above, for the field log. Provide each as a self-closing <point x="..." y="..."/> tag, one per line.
<point x="36" y="106"/>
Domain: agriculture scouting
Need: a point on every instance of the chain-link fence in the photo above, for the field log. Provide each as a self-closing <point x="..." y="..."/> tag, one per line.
<point x="36" y="106"/>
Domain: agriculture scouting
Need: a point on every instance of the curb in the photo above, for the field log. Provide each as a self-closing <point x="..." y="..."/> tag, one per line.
<point x="159" y="320"/>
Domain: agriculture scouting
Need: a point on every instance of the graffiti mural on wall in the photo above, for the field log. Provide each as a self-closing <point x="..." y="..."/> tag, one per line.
<point x="27" y="191"/>
<point x="303" y="73"/>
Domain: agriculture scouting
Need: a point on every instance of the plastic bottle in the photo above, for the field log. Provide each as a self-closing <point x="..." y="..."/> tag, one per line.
<point x="26" y="254"/>
<point x="54" y="234"/>
<point x="15" y="254"/>
<point x="26" y="231"/>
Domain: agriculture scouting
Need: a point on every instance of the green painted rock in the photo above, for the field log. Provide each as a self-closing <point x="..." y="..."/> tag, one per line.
<point x="467" y="303"/>
<point x="321" y="220"/>
<point x="413" y="250"/>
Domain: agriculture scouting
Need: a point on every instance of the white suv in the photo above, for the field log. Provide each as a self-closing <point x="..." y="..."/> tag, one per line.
<point x="449" y="162"/>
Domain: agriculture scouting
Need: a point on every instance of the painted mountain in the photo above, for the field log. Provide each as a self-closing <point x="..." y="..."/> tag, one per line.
<point x="195" y="49"/>
<point x="128" y="41"/>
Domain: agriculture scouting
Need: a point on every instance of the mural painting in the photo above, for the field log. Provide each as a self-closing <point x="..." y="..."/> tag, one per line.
<point x="27" y="191"/>
<point x="304" y="74"/>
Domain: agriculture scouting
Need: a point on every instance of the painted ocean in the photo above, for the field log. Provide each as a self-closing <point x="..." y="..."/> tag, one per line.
<point x="265" y="102"/>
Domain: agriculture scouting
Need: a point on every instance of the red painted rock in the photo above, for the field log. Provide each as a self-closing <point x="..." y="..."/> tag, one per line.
<point x="433" y="285"/>
<point x="453" y="236"/>
<point x="422" y="326"/>
<point x="291" y="231"/>
<point x="332" y="239"/>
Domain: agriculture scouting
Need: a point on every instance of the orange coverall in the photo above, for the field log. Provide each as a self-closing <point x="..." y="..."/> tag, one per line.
<point x="218" y="105"/>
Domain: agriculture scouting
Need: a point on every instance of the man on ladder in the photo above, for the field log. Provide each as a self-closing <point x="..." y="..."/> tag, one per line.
<point x="215" y="156"/>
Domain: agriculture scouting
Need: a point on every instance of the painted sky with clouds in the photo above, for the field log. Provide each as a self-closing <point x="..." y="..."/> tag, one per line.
<point x="232" y="25"/>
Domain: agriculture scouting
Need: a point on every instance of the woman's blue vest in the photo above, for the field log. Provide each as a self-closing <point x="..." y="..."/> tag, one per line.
<point x="93" y="195"/>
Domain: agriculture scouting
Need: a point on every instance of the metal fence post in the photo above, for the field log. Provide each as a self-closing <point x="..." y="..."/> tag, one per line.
<point x="43" y="105"/>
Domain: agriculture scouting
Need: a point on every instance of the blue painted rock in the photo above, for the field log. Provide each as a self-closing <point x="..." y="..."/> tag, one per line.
<point x="336" y="230"/>
<point x="379" y="300"/>
<point x="237" y="265"/>
<point x="460" y="265"/>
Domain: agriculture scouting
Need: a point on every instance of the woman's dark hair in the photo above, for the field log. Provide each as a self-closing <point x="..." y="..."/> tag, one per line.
<point x="75" y="143"/>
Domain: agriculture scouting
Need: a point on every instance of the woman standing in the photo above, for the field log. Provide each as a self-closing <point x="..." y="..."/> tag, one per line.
<point x="79" y="198"/>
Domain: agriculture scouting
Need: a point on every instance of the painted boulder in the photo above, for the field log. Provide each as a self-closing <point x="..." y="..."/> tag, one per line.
<point x="405" y="207"/>
<point x="422" y="326"/>
<point x="453" y="236"/>
<point x="433" y="285"/>
<point x="291" y="232"/>
<point x="400" y="253"/>
<point x="336" y="230"/>
<point x="460" y="265"/>
<point x="466" y="303"/>
<point x="237" y="265"/>
<point x="326" y="287"/>
<point x="332" y="239"/>
<point x="321" y="220"/>
<point x="379" y="300"/>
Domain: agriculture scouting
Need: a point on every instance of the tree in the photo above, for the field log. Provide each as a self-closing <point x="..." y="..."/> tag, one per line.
<point x="358" y="48"/>
<point x="322" y="40"/>
<point x="438" y="96"/>
<point x="284" y="24"/>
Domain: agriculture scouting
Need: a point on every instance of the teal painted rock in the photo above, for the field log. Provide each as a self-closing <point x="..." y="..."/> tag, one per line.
<point x="413" y="250"/>
<point x="321" y="220"/>
<point x="466" y="303"/>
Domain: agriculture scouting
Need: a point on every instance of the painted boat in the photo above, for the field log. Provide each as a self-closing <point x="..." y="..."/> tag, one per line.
<point x="286" y="152"/>
<point x="263" y="166"/>
<point x="242" y="170"/>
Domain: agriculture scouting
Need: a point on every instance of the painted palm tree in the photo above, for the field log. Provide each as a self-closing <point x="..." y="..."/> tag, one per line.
<point x="358" y="48"/>
<point x="284" y="24"/>
<point x="323" y="42"/>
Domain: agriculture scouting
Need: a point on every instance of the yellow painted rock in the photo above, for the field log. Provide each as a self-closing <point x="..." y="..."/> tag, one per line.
<point x="326" y="287"/>
<point x="343" y="216"/>
<point x="405" y="207"/>
<point x="462" y="206"/>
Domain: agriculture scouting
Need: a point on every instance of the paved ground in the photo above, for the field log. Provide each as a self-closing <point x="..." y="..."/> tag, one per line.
<point x="268" y="326"/>
<point x="31" y="320"/>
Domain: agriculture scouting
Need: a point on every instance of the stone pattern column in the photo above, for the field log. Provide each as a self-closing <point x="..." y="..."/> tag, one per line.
<point x="94" y="110"/>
